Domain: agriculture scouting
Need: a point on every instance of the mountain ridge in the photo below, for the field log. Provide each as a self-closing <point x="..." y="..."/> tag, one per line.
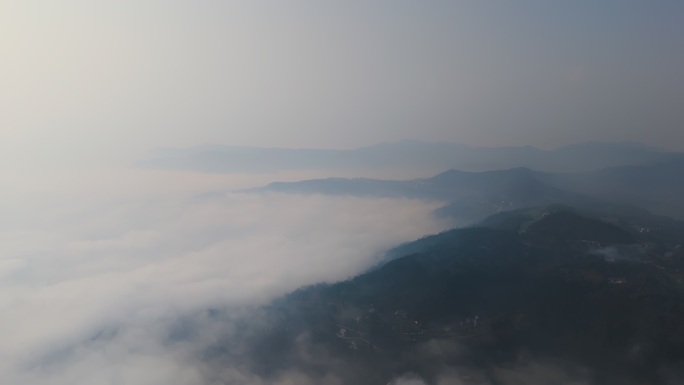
<point x="657" y="187"/>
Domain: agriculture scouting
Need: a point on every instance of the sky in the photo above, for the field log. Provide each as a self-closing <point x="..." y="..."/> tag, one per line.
<point x="83" y="80"/>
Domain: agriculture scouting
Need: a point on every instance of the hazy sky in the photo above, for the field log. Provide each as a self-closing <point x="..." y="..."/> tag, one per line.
<point x="81" y="78"/>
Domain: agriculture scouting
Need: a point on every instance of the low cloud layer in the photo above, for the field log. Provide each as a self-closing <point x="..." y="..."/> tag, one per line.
<point x="97" y="271"/>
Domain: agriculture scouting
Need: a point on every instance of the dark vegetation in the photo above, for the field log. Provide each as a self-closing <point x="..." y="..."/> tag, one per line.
<point x="599" y="292"/>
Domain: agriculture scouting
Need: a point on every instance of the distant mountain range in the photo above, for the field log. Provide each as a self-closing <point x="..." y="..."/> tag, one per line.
<point x="415" y="155"/>
<point x="591" y="292"/>
<point x="473" y="196"/>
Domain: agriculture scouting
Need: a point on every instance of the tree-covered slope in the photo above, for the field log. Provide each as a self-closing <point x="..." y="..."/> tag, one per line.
<point x="545" y="284"/>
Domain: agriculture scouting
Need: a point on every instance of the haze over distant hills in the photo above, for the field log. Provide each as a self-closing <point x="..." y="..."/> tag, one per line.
<point x="473" y="196"/>
<point x="407" y="154"/>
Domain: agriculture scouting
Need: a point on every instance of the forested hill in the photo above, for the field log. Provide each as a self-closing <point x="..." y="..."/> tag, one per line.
<point x="599" y="300"/>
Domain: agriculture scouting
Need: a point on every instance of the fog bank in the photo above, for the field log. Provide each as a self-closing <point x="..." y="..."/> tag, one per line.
<point x="97" y="269"/>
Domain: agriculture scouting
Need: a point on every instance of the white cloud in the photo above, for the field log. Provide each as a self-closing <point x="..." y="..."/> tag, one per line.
<point x="123" y="261"/>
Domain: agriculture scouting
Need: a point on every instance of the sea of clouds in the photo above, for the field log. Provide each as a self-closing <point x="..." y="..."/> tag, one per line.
<point x="97" y="267"/>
